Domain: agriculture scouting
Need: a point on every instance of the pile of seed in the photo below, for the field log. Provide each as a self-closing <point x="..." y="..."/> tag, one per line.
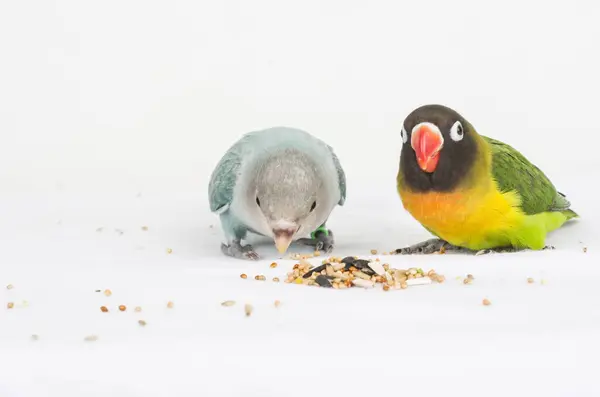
<point x="351" y="272"/>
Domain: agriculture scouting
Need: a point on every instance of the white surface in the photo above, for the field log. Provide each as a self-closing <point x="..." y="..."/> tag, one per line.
<point x="101" y="101"/>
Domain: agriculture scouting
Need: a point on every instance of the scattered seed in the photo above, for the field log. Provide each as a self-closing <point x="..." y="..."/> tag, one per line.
<point x="145" y="228"/>
<point x="486" y="302"/>
<point x="99" y="229"/>
<point x="122" y="308"/>
<point x="277" y="303"/>
<point x="276" y="279"/>
<point x="228" y="303"/>
<point x="530" y="280"/>
<point x="138" y="309"/>
<point x="104" y="309"/>
<point x="98" y="290"/>
<point x="90" y="338"/>
<point x="273" y="265"/>
<point x="317" y="253"/>
<point x="170" y="304"/>
<point x="9" y="286"/>
<point x="35" y="337"/>
<point x="467" y="281"/>
<point x="403" y="285"/>
<point x="142" y="323"/>
<point x="107" y="292"/>
<point x="373" y="252"/>
<point x="10" y="305"/>
<point x="260" y="277"/>
<point x="584" y="249"/>
<point x="470" y="277"/>
<point x="386" y="287"/>
<point x="248" y="309"/>
<point x="169" y="251"/>
<point x="442" y="250"/>
<point x="244" y="276"/>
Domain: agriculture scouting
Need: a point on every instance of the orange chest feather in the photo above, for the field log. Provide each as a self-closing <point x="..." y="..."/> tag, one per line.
<point x="462" y="213"/>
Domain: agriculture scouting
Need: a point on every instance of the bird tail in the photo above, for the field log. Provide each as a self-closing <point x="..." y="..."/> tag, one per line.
<point x="570" y="214"/>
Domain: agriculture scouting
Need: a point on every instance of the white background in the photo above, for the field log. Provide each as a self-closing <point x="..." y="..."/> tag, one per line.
<point x="102" y="101"/>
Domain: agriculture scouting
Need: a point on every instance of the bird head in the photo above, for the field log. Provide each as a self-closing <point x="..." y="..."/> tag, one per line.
<point x="439" y="148"/>
<point x="288" y="188"/>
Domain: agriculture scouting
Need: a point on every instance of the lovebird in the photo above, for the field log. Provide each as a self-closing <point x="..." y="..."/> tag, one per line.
<point x="281" y="183"/>
<point x="474" y="193"/>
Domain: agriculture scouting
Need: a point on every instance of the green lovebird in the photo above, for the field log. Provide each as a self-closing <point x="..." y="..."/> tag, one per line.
<point x="473" y="192"/>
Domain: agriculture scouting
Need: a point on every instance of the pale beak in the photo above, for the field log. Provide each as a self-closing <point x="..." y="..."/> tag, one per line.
<point x="283" y="238"/>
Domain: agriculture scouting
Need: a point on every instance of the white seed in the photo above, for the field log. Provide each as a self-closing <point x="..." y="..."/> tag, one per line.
<point x="377" y="267"/>
<point x="228" y="303"/>
<point x="362" y="275"/>
<point x="363" y="283"/>
<point x="91" y="338"/>
<point x="248" y="309"/>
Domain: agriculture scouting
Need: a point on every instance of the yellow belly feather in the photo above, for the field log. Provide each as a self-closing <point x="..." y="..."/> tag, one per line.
<point x="476" y="218"/>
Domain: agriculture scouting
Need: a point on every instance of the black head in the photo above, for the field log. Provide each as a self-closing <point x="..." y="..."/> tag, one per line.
<point x="439" y="148"/>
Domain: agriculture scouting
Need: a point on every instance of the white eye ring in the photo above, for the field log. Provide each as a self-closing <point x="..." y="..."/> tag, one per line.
<point x="404" y="135"/>
<point x="457" y="132"/>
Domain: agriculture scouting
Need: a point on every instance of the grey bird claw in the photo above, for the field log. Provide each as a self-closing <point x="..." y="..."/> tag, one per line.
<point x="429" y="247"/>
<point x="239" y="252"/>
<point x="425" y="247"/>
<point x="323" y="242"/>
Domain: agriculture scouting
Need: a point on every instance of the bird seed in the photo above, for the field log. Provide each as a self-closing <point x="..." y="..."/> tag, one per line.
<point x="486" y="302"/>
<point x="122" y="308"/>
<point x="248" y="310"/>
<point x="104" y="309"/>
<point x="9" y="286"/>
<point x="244" y="276"/>
<point x="170" y="304"/>
<point x="228" y="303"/>
<point x="10" y="305"/>
<point x="349" y="272"/>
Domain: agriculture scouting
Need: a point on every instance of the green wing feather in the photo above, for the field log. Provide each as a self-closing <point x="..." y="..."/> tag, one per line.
<point x="513" y="171"/>
<point x="341" y="176"/>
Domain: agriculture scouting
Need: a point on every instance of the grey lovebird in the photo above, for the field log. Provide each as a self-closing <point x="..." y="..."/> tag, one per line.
<point x="281" y="183"/>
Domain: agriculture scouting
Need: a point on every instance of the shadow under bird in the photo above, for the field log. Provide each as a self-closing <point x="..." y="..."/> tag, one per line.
<point x="476" y="194"/>
<point x="281" y="183"/>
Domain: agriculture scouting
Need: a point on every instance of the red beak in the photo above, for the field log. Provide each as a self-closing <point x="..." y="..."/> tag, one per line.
<point x="427" y="141"/>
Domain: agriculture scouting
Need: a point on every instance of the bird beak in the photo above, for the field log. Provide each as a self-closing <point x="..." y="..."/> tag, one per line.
<point x="427" y="141"/>
<point x="283" y="238"/>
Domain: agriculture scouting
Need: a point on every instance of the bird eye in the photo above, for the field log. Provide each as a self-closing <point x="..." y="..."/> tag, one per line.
<point x="257" y="201"/>
<point x="456" y="132"/>
<point x="314" y="205"/>
<point x="404" y="135"/>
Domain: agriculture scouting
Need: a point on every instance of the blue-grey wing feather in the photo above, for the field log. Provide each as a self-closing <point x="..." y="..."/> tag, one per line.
<point x="341" y="176"/>
<point x="223" y="180"/>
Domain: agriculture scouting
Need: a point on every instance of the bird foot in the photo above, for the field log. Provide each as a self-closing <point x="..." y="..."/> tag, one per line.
<point x="236" y="250"/>
<point x="429" y="247"/>
<point x="321" y="240"/>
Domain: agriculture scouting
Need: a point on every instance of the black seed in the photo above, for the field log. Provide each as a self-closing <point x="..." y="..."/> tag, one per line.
<point x="323" y="282"/>
<point x="368" y="271"/>
<point x="348" y="260"/>
<point x="361" y="264"/>
<point x="317" y="269"/>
